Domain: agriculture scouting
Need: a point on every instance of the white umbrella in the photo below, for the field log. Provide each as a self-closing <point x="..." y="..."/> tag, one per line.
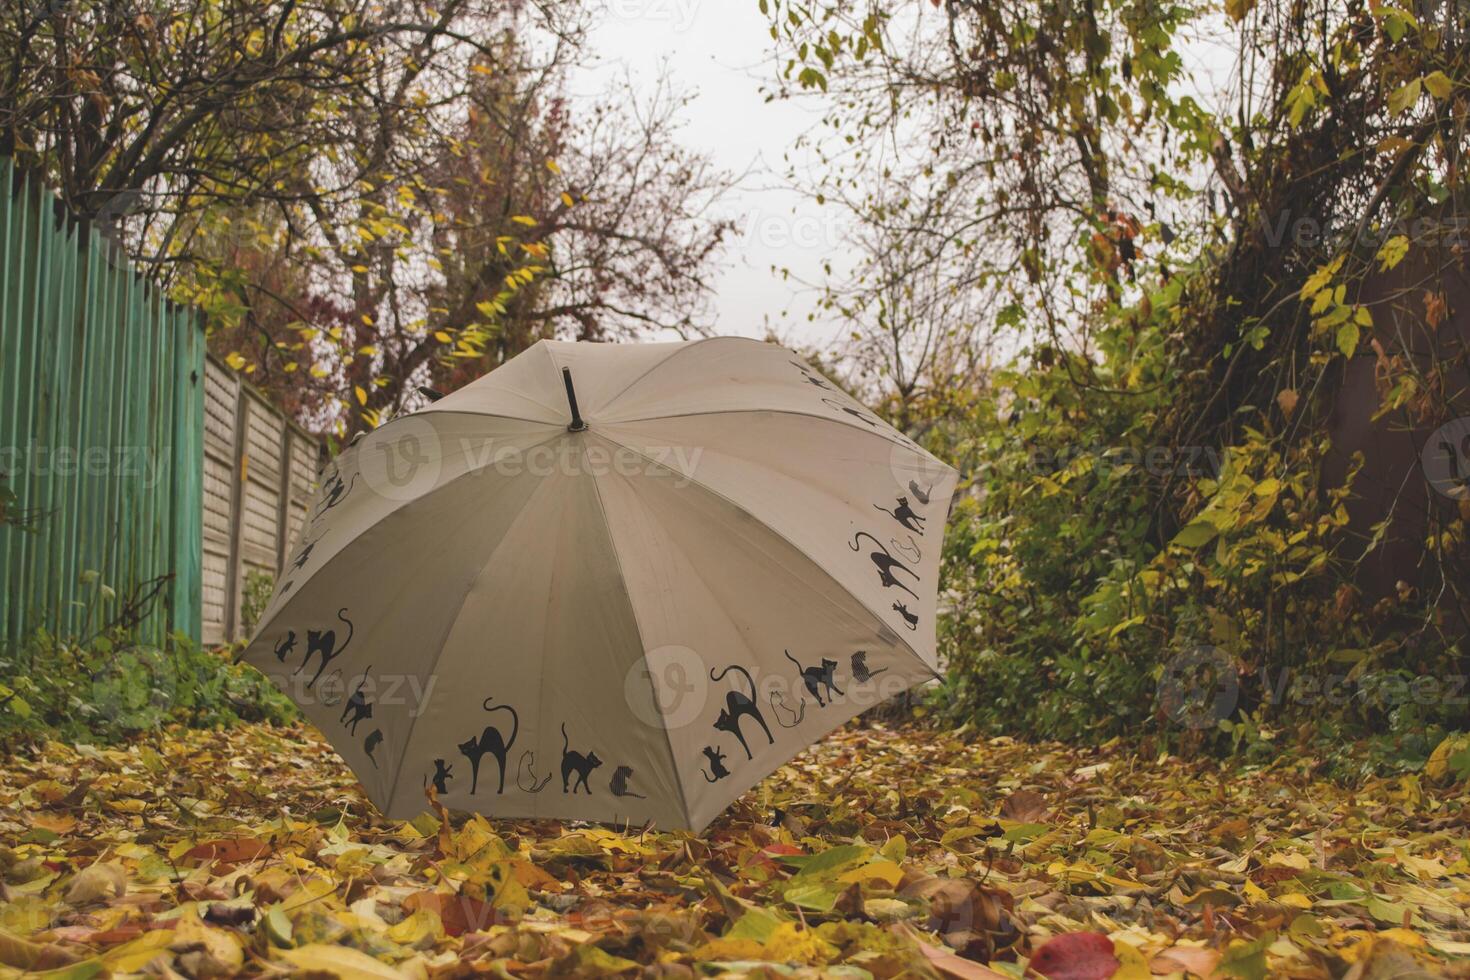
<point x="630" y="612"/>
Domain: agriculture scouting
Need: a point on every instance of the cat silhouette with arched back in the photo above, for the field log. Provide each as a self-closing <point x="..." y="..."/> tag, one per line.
<point x="860" y="671"/>
<point x="442" y="775"/>
<point x="863" y="417"/>
<point x="922" y="496"/>
<point x="526" y="774"/>
<point x="909" y="619"/>
<point x="357" y="706"/>
<point x="371" y="743"/>
<point x="334" y="491"/>
<point x="778" y="705"/>
<point x="285" y="647"/>
<point x="905" y="515"/>
<point x="886" y="563"/>
<point x="716" y="765"/>
<point x="573" y="762"/>
<point x="739" y="705"/>
<point x="491" y="742"/>
<point x="323" y="644"/>
<point x="619" y="785"/>
<point x="816" y="678"/>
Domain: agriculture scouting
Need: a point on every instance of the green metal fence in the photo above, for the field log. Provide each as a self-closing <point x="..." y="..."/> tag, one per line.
<point x="101" y="429"/>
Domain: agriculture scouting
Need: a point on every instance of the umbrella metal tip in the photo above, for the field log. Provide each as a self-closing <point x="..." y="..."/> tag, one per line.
<point x="577" y="424"/>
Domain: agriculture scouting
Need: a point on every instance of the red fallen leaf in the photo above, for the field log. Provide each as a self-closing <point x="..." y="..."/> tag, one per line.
<point x="459" y="913"/>
<point x="1024" y="806"/>
<point x="230" y="850"/>
<point x="1076" y="956"/>
<point x="119" y="934"/>
<point x="765" y="856"/>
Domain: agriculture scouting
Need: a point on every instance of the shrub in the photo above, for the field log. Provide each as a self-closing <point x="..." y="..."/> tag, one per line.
<point x="107" y="689"/>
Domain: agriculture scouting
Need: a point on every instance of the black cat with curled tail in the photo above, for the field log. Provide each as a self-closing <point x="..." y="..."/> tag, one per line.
<point x="492" y="742"/>
<point x="886" y="563"/>
<point x="575" y="763"/>
<point x="323" y="643"/>
<point x="905" y="515"/>
<point x="716" y="764"/>
<point x="284" y="648"/>
<point x="738" y="704"/>
<point x="443" y="773"/>
<point x="817" y="678"/>
<point x="358" y="706"/>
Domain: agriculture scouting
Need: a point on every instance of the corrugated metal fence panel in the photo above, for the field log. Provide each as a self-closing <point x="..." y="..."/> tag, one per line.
<point x="101" y="412"/>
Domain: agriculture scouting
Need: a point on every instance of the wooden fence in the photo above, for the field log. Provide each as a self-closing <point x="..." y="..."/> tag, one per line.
<point x="259" y="472"/>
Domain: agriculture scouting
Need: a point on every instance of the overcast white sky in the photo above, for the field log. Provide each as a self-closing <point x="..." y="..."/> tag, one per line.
<point x="720" y="52"/>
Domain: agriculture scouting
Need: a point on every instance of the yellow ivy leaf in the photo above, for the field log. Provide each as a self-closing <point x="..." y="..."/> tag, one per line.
<point x="1402" y="99"/>
<point x="524" y="219"/>
<point x="361" y="394"/>
<point x="1319" y="280"/>
<point x="1439" y="84"/>
<point x="1237" y="9"/>
<point x="1392" y="252"/>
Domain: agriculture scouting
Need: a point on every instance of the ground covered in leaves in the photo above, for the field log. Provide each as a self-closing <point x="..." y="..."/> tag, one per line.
<point x="877" y="853"/>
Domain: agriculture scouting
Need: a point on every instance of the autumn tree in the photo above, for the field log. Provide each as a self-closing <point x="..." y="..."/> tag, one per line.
<point x="366" y="198"/>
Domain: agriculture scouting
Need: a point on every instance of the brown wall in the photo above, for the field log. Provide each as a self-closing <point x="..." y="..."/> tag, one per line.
<point x="1392" y="484"/>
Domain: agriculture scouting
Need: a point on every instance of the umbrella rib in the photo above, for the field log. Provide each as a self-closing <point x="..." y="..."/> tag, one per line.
<point x="673" y="354"/>
<point x="694" y="481"/>
<point x="471" y="471"/>
<point x="261" y="629"/>
<point x="612" y="544"/>
<point x="903" y="440"/>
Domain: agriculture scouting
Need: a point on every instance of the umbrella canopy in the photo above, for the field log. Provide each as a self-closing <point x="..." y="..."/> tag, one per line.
<point x="609" y="582"/>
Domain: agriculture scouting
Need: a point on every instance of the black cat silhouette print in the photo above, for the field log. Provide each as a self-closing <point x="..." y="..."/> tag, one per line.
<point x="609" y="582"/>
